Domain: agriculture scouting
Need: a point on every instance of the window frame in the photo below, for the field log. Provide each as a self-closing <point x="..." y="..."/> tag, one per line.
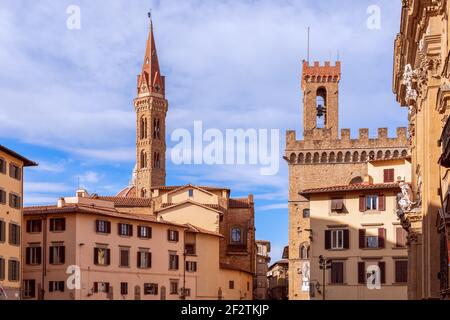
<point x="233" y="234"/>
<point x="53" y="225"/>
<point x="29" y="292"/>
<point x="335" y="236"/>
<point x="370" y="204"/>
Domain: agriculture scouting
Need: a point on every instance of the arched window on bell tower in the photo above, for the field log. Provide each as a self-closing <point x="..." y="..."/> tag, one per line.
<point x="321" y="108"/>
<point x="156" y="129"/>
<point x="143" y="159"/>
<point x="156" y="161"/>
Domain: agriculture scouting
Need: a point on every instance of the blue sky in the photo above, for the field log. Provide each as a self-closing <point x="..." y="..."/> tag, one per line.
<point x="66" y="95"/>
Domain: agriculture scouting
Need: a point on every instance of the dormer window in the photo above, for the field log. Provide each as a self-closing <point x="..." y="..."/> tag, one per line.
<point x="191" y="193"/>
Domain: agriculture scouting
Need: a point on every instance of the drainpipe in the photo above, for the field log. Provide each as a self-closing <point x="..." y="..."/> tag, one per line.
<point x="183" y="293"/>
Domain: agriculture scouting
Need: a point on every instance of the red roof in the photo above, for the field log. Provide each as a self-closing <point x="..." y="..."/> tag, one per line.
<point x="129" y="192"/>
<point x="127" y="201"/>
<point x="352" y="187"/>
<point x="26" y="162"/>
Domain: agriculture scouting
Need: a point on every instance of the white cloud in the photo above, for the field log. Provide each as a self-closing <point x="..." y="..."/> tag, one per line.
<point x="89" y="178"/>
<point x="46" y="187"/>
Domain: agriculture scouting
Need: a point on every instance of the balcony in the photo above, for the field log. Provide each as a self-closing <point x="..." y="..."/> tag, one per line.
<point x="189" y="249"/>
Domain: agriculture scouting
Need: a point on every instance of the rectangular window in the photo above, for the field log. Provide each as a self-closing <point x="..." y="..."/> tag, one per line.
<point x="102" y="256"/>
<point x="150" y="289"/>
<point x="173" y="235"/>
<point x="190" y="249"/>
<point x="15" y="171"/>
<point x="371" y="202"/>
<point x="125" y="230"/>
<point x="144" y="232"/>
<point x="174" y="287"/>
<point x="173" y="261"/>
<point x="337" y="204"/>
<point x="101" y="287"/>
<point x="29" y="289"/>
<point x="372" y="242"/>
<point x="102" y="226"/>
<point x="56" y="286"/>
<point x="191" y="193"/>
<point x="2" y="269"/>
<point x="231" y="285"/>
<point x="57" y="254"/>
<point x="2" y="197"/>
<point x="191" y="266"/>
<point x="33" y="255"/>
<point x="14" y="234"/>
<point x="337" y="239"/>
<point x="186" y="292"/>
<point x="13" y="270"/>
<point x="124" y="257"/>
<point x="401" y="271"/>
<point x="2" y="231"/>
<point x="15" y="201"/>
<point x="2" y="166"/>
<point x="306" y="213"/>
<point x="401" y="235"/>
<point x="58" y="224"/>
<point x="124" y="288"/>
<point x="144" y="260"/>
<point x="34" y="226"/>
<point x="337" y="272"/>
<point x="389" y="175"/>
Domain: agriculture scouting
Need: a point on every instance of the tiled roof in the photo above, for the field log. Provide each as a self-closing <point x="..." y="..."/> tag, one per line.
<point x="26" y="162"/>
<point x="196" y="229"/>
<point x="178" y="187"/>
<point x="352" y="187"/>
<point x="239" y="203"/>
<point x="127" y="202"/>
<point x="77" y="208"/>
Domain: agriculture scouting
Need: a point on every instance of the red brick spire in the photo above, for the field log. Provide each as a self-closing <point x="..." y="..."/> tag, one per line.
<point x="150" y="80"/>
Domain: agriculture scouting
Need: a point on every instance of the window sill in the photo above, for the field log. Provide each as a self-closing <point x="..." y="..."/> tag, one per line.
<point x="173" y="241"/>
<point x="173" y="269"/>
<point x="125" y="236"/>
<point x="400" y="283"/>
<point x="372" y="212"/>
<point x="103" y="233"/>
<point x="58" y="231"/>
<point x="336" y="250"/>
<point x="144" y="238"/>
<point x="399" y="248"/>
<point x="101" y="265"/>
<point x="124" y="267"/>
<point x="34" y="233"/>
<point x="371" y="249"/>
<point x="337" y="284"/>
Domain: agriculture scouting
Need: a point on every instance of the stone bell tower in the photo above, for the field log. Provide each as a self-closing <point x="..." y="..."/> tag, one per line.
<point x="151" y="108"/>
<point x="320" y="85"/>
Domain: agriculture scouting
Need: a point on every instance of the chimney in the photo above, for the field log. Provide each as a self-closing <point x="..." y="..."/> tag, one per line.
<point x="61" y="202"/>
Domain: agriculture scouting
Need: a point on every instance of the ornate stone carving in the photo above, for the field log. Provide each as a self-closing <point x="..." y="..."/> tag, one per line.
<point x="411" y="94"/>
<point x="405" y="198"/>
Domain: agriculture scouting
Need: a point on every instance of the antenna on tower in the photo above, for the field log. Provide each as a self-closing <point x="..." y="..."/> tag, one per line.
<point x="337" y="55"/>
<point x="150" y="18"/>
<point x="308" y="47"/>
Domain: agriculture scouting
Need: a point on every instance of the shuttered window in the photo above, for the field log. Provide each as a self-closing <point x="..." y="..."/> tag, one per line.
<point x="382" y="266"/>
<point x="2" y="231"/>
<point x="2" y="269"/>
<point x="2" y="196"/>
<point x="13" y="270"/>
<point x="15" y="171"/>
<point x="337" y="272"/>
<point x="401" y="271"/>
<point x="125" y="230"/>
<point x="337" y="239"/>
<point x="173" y="236"/>
<point x="29" y="289"/>
<point x="56" y="286"/>
<point x="14" y="234"/>
<point x="389" y="175"/>
<point x="400" y="237"/>
<point x="15" y="201"/>
<point x="33" y="255"/>
<point x="337" y="204"/>
<point x="124" y="257"/>
<point x="361" y="272"/>
<point x="144" y="232"/>
<point x="150" y="289"/>
<point x="57" y="255"/>
<point x="58" y="224"/>
<point x="34" y="226"/>
<point x="124" y="288"/>
<point x="173" y="261"/>
<point x="102" y="257"/>
<point x="102" y="226"/>
<point x="144" y="260"/>
<point x="2" y="166"/>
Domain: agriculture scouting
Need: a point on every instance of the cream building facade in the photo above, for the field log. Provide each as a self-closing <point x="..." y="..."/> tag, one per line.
<point x="11" y="205"/>
<point x="356" y="227"/>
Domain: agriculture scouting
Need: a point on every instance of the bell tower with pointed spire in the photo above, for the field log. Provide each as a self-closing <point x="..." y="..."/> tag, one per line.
<point x="151" y="109"/>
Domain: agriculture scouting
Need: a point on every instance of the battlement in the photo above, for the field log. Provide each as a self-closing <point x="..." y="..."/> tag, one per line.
<point x="318" y="139"/>
<point x="318" y="73"/>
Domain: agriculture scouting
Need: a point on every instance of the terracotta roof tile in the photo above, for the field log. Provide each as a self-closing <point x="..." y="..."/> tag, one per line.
<point x="128" y="192"/>
<point x="127" y="201"/>
<point x="352" y="187"/>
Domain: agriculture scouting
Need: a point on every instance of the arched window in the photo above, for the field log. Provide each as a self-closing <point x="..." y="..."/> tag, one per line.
<point x="396" y="154"/>
<point x="339" y="157"/>
<point x="316" y="157"/>
<point x="332" y="157"/>
<point x="308" y="158"/>
<point x="156" y="129"/>
<point x="304" y="251"/>
<point x="143" y="193"/>
<point x="355" y="156"/>
<point x="301" y="158"/>
<point x="321" y="107"/>
<point x="372" y="155"/>
<point x="348" y="156"/>
<point x="324" y="157"/>
<point x="143" y="128"/>
<point x="293" y="156"/>
<point x="363" y="156"/>
<point x="404" y="153"/>
<point x="380" y="154"/>
<point x="236" y="235"/>
<point x="387" y="155"/>
<point x="143" y="159"/>
<point x="156" y="160"/>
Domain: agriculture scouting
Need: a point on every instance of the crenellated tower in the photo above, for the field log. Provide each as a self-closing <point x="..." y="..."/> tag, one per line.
<point x="151" y="109"/>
